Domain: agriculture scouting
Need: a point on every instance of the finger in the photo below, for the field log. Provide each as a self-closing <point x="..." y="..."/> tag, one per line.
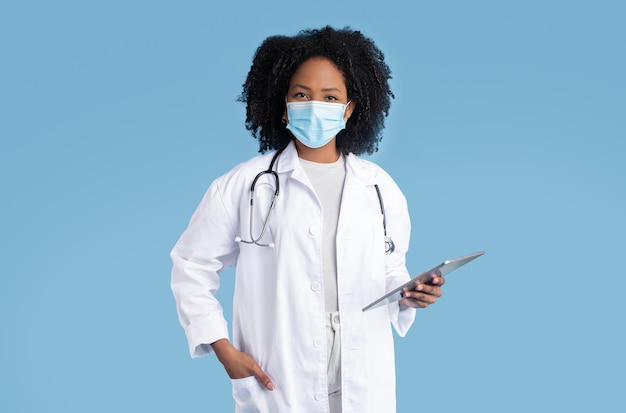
<point x="411" y="302"/>
<point x="421" y="296"/>
<point x="263" y="378"/>
<point x="425" y="299"/>
<point x="429" y="289"/>
<point x="436" y="278"/>
<point x="436" y="291"/>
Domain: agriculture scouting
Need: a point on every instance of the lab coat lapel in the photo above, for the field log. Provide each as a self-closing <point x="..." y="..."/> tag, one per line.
<point x="289" y="164"/>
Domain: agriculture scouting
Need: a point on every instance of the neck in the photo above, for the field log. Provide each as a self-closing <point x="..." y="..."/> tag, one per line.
<point x="326" y="154"/>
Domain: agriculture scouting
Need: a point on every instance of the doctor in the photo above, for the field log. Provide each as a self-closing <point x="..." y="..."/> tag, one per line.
<point x="310" y="250"/>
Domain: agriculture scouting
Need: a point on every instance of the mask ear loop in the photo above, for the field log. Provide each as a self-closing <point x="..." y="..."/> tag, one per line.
<point x="344" y="112"/>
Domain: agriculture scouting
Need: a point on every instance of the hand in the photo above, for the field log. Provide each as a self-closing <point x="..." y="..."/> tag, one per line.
<point x="238" y="364"/>
<point x="423" y="294"/>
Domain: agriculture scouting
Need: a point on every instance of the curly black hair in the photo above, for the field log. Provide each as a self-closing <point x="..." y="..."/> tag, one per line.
<point x="359" y="60"/>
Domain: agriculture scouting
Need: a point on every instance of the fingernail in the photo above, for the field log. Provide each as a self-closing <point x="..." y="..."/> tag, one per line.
<point x="271" y="386"/>
<point x="419" y="287"/>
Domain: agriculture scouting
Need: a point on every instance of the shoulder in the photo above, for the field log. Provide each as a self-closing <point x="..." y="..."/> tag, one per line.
<point x="366" y="165"/>
<point x="244" y="171"/>
<point x="373" y="174"/>
<point x="369" y="171"/>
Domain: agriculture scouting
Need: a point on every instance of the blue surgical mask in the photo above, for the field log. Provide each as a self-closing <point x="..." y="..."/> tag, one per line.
<point x="316" y="123"/>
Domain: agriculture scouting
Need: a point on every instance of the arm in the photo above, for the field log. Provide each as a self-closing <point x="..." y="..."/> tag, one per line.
<point x="421" y="295"/>
<point x="205" y="248"/>
<point x="399" y="229"/>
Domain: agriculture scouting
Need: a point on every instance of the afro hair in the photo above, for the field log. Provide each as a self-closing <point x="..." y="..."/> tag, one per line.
<point x="358" y="59"/>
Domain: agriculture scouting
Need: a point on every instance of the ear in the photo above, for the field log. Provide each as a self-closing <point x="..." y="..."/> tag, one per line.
<point x="349" y="109"/>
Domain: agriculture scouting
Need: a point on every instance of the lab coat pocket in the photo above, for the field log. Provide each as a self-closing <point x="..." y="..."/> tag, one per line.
<point x="365" y="246"/>
<point x="249" y="395"/>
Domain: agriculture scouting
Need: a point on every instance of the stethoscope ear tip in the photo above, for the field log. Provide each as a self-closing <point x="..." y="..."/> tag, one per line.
<point x="237" y="239"/>
<point x="271" y="245"/>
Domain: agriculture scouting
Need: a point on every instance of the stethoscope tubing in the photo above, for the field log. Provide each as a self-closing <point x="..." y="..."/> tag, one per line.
<point x="389" y="244"/>
<point x="269" y="170"/>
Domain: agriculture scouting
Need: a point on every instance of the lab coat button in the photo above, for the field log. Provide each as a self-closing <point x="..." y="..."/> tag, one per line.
<point x="315" y="286"/>
<point x="319" y="396"/>
<point x="312" y="231"/>
<point x="318" y="343"/>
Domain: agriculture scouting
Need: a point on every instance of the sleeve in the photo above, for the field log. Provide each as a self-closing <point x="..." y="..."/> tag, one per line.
<point x="205" y="248"/>
<point x="399" y="230"/>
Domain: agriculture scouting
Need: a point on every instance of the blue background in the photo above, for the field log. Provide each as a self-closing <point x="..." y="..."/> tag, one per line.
<point x="507" y="134"/>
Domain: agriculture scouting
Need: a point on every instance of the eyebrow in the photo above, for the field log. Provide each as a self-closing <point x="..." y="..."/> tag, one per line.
<point x="328" y="89"/>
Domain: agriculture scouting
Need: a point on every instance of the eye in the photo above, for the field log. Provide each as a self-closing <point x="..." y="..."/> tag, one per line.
<point x="331" y="97"/>
<point x="300" y="95"/>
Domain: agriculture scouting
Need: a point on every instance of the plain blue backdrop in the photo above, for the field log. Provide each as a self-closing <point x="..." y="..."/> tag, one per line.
<point x="507" y="134"/>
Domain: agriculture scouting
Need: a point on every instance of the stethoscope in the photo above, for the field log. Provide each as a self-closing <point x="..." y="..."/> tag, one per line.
<point x="389" y="244"/>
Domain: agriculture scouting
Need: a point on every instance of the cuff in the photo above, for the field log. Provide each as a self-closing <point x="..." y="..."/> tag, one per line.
<point x="401" y="317"/>
<point x="201" y="333"/>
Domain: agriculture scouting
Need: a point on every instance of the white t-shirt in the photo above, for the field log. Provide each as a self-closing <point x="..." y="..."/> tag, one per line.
<point x="327" y="180"/>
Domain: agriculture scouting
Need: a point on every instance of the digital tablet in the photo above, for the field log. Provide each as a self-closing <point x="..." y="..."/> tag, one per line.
<point x="423" y="278"/>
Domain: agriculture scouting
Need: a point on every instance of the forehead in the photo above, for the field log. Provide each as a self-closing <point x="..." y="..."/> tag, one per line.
<point x="318" y="71"/>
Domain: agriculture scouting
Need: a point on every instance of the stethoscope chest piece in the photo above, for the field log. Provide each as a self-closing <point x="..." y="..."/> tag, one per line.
<point x="389" y="246"/>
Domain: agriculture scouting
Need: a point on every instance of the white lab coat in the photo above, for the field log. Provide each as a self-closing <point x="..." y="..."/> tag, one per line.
<point x="278" y="314"/>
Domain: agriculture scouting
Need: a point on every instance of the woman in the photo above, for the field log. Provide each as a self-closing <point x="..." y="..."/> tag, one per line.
<point x="311" y="249"/>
